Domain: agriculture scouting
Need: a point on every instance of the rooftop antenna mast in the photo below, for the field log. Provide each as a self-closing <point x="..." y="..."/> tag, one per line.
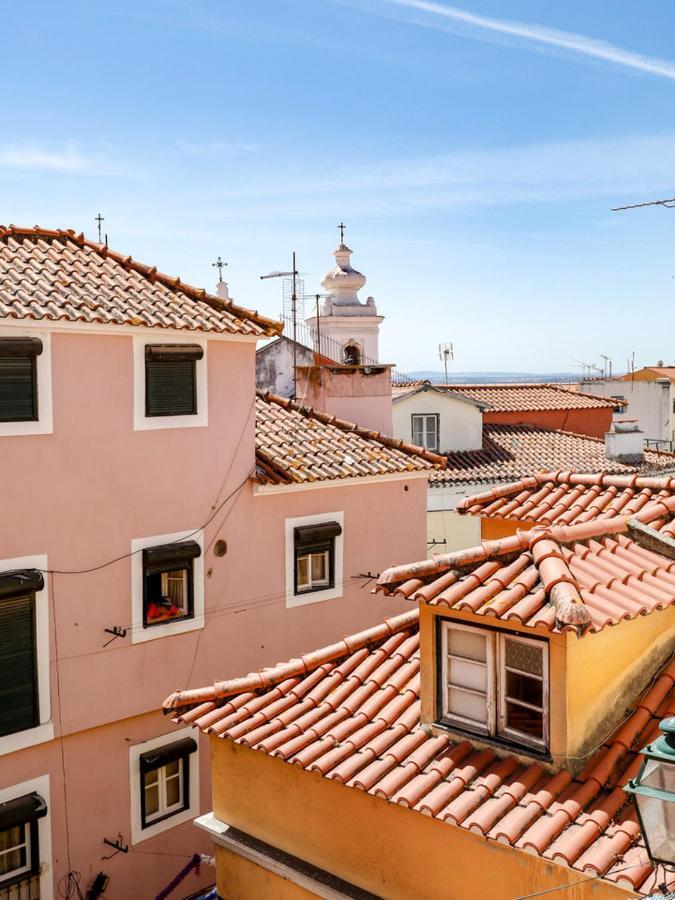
<point x="607" y="365"/>
<point x="445" y="352"/>
<point x="669" y="204"/>
<point x="293" y="274"/>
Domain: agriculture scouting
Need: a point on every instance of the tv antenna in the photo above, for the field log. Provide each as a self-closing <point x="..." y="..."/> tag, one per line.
<point x="293" y="275"/>
<point x="588" y="368"/>
<point x="669" y="204"/>
<point x="606" y="365"/>
<point x="445" y="352"/>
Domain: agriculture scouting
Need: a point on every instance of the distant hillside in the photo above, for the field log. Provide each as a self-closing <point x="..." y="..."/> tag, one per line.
<point x="492" y="377"/>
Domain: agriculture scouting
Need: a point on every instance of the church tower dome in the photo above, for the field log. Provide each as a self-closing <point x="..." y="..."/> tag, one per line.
<point x="343" y="317"/>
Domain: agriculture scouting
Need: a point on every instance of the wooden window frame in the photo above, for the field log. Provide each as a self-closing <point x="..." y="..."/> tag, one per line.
<point x="496" y="687"/>
<point x="425" y="416"/>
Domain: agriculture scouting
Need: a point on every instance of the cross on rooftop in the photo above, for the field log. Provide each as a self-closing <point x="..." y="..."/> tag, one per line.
<point x="99" y="219"/>
<point x="218" y="264"/>
<point x="342" y="227"/>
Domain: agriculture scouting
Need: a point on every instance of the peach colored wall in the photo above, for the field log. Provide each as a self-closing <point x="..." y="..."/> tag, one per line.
<point x="593" y="422"/>
<point x="349" y="394"/>
<point x="81" y="494"/>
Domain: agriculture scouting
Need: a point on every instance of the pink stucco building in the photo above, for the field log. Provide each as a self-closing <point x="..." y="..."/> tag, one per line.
<point x="153" y="534"/>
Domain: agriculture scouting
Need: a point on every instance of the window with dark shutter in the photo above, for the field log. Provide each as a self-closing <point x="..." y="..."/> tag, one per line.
<point x="165" y="781"/>
<point x="171" y="379"/>
<point x="18" y="655"/>
<point x="18" y="379"/>
<point x="315" y="556"/>
<point x="168" y="582"/>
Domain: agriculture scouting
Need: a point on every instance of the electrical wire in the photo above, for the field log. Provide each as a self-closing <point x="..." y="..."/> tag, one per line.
<point x="570" y="884"/>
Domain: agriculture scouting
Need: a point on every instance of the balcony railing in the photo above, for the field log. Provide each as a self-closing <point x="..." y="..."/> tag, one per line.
<point x="27" y="888"/>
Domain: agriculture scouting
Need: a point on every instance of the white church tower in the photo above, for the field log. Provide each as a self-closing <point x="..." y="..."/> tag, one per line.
<point x="342" y="316"/>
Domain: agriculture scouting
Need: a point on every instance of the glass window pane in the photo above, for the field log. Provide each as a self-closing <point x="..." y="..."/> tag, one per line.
<point x="658" y="819"/>
<point x="526" y="657"/>
<point x="173" y="791"/>
<point x="12" y="860"/>
<point x="659" y="775"/>
<point x="151" y="800"/>
<point x="151" y="777"/>
<point x="527" y="721"/>
<point x="172" y="768"/>
<point x="175" y="587"/>
<point x="12" y="837"/>
<point x="469" y="706"/>
<point x="302" y="570"/>
<point x="418" y="430"/>
<point x="468" y="674"/>
<point x="467" y="644"/>
<point x="522" y="687"/>
<point x="320" y="566"/>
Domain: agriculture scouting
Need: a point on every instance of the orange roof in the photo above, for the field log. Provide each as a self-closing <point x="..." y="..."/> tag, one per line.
<point x="530" y="397"/>
<point x="296" y="444"/>
<point x="558" y="578"/>
<point x="351" y="712"/>
<point x="515" y="451"/>
<point x="568" y="498"/>
<point x="60" y="276"/>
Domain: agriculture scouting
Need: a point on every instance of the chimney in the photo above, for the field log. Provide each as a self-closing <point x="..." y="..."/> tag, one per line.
<point x="624" y="442"/>
<point x="222" y="290"/>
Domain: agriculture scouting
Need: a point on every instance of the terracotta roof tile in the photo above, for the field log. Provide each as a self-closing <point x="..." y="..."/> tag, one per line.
<point x="581" y="577"/>
<point x="529" y="397"/>
<point x="59" y="276"/>
<point x="585" y="822"/>
<point x="569" y="498"/>
<point x="510" y="452"/>
<point x="296" y="444"/>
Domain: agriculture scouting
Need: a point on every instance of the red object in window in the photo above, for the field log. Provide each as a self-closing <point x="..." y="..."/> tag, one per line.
<point x="160" y="610"/>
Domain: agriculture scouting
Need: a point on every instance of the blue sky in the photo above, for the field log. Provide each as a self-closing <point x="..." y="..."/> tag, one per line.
<point x="474" y="151"/>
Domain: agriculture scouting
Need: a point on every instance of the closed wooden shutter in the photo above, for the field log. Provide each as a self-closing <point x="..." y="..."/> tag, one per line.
<point x="18" y="400"/>
<point x="18" y="665"/>
<point x="170" y="388"/>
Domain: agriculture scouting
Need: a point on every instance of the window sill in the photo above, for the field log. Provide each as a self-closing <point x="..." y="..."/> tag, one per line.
<point x="20" y="740"/>
<point x="153" y="423"/>
<point x="334" y="593"/>
<point x="138" y="834"/>
<point x="17" y="429"/>
<point x="167" y="629"/>
<point x="439" y="728"/>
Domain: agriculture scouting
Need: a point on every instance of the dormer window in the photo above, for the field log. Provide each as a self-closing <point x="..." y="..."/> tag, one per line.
<point x="494" y="683"/>
<point x="425" y="430"/>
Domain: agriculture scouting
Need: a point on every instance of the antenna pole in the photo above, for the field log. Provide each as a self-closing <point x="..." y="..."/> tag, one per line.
<point x="294" y="299"/>
<point x="318" y="326"/>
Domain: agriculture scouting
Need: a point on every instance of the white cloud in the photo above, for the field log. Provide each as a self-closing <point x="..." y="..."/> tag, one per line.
<point x="213" y="149"/>
<point x="67" y="159"/>
<point x="540" y="35"/>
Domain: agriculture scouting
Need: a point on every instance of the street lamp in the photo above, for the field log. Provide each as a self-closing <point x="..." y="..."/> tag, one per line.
<point x="653" y="791"/>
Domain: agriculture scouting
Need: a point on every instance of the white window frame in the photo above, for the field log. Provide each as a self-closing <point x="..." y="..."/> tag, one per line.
<point x="332" y="593"/>
<point x="40" y="785"/>
<point x="138" y="833"/>
<point x="425" y="430"/>
<point x="14" y="873"/>
<point x="164" y="808"/>
<point x="44" y="423"/>
<point x="139" y="634"/>
<point x="502" y="728"/>
<point x="44" y="730"/>
<point x="496" y="687"/>
<point x="151" y="423"/>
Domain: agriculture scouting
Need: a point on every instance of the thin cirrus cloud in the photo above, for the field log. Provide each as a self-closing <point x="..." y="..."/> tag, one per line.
<point x="65" y="159"/>
<point x="442" y="14"/>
